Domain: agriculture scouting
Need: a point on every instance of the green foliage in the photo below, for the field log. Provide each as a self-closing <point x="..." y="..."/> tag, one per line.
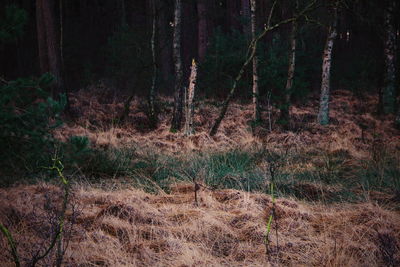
<point x="232" y="169"/>
<point x="226" y="55"/>
<point x="128" y="53"/>
<point x="224" y="58"/>
<point x="12" y="23"/>
<point x="27" y="117"/>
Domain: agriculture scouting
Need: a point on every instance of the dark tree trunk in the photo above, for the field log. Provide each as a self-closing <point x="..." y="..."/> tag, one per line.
<point x="389" y="88"/>
<point x="152" y="95"/>
<point x="164" y="45"/>
<point x="285" y="110"/>
<point x="247" y="26"/>
<point x="41" y="38"/>
<point x="46" y="21"/>
<point x="202" y="29"/>
<point x="178" y="94"/>
<point x="233" y="12"/>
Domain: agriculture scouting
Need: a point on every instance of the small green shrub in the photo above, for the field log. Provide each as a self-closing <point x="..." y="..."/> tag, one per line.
<point x="28" y="115"/>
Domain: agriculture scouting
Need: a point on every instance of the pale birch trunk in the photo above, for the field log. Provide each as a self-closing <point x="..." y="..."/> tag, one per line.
<point x="250" y="55"/>
<point x="256" y="107"/>
<point x="189" y="96"/>
<point x="389" y="89"/>
<point x="178" y="94"/>
<point x="323" y="114"/>
<point x="285" y="111"/>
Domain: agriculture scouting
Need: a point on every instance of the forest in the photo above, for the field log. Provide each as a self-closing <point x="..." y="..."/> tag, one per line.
<point x="199" y="133"/>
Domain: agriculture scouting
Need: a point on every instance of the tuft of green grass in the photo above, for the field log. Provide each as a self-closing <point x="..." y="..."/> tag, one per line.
<point x="319" y="176"/>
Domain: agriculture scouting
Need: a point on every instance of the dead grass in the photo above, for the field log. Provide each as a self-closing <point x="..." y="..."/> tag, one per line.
<point x="128" y="227"/>
<point x="354" y="126"/>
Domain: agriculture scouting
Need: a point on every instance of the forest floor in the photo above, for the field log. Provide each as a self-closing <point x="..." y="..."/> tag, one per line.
<point x="337" y="188"/>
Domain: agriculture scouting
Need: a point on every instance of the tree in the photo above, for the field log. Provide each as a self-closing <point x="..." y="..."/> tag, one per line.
<point x="390" y="49"/>
<point x="285" y="110"/>
<point x="323" y="114"/>
<point x="256" y="102"/>
<point x="247" y="16"/>
<point x="178" y="90"/>
<point x="48" y="43"/>
<point x="202" y="29"/>
<point x="251" y="53"/>
<point x="164" y="43"/>
<point x="152" y="94"/>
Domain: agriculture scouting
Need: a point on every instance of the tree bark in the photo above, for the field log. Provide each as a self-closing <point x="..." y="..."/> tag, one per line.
<point x="256" y="102"/>
<point x="202" y="29"/>
<point x="323" y="114"/>
<point x="233" y="12"/>
<point x="41" y="37"/>
<point x="285" y="110"/>
<point x="164" y="45"/>
<point x="46" y="20"/>
<point x="189" y="104"/>
<point x="251" y="53"/>
<point x="389" y="87"/>
<point x="152" y="95"/>
<point x="247" y="27"/>
<point x="178" y="94"/>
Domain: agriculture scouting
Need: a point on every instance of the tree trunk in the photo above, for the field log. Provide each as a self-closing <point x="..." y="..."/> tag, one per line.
<point x="233" y="8"/>
<point x="389" y="87"/>
<point x="178" y="94"/>
<point x="164" y="45"/>
<point x="247" y="27"/>
<point x="323" y="114"/>
<point x="189" y="104"/>
<point x="202" y="29"/>
<point x="285" y="110"/>
<point x="250" y="55"/>
<point x="256" y="103"/>
<point x="41" y="37"/>
<point x="152" y="95"/>
<point x="123" y="14"/>
<point x="52" y="44"/>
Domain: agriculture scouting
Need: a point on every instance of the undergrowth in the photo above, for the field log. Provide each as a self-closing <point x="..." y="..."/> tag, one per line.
<point x="319" y="176"/>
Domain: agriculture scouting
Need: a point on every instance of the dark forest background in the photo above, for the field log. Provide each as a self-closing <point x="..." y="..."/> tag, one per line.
<point x="109" y="41"/>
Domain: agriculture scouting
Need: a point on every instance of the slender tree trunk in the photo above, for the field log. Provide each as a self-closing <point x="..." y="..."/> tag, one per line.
<point x="247" y="27"/>
<point x="41" y="37"/>
<point x="164" y="44"/>
<point x="63" y="73"/>
<point x="389" y="88"/>
<point x="202" y="29"/>
<point x="52" y="43"/>
<point x="152" y="95"/>
<point x="123" y="13"/>
<point x="256" y="102"/>
<point x="233" y="8"/>
<point x="189" y="96"/>
<point x="178" y="94"/>
<point x="251" y="53"/>
<point x="285" y="110"/>
<point x="323" y="114"/>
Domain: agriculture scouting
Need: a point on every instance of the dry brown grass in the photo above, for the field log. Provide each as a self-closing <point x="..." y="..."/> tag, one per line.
<point x="354" y="127"/>
<point x="128" y="227"/>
